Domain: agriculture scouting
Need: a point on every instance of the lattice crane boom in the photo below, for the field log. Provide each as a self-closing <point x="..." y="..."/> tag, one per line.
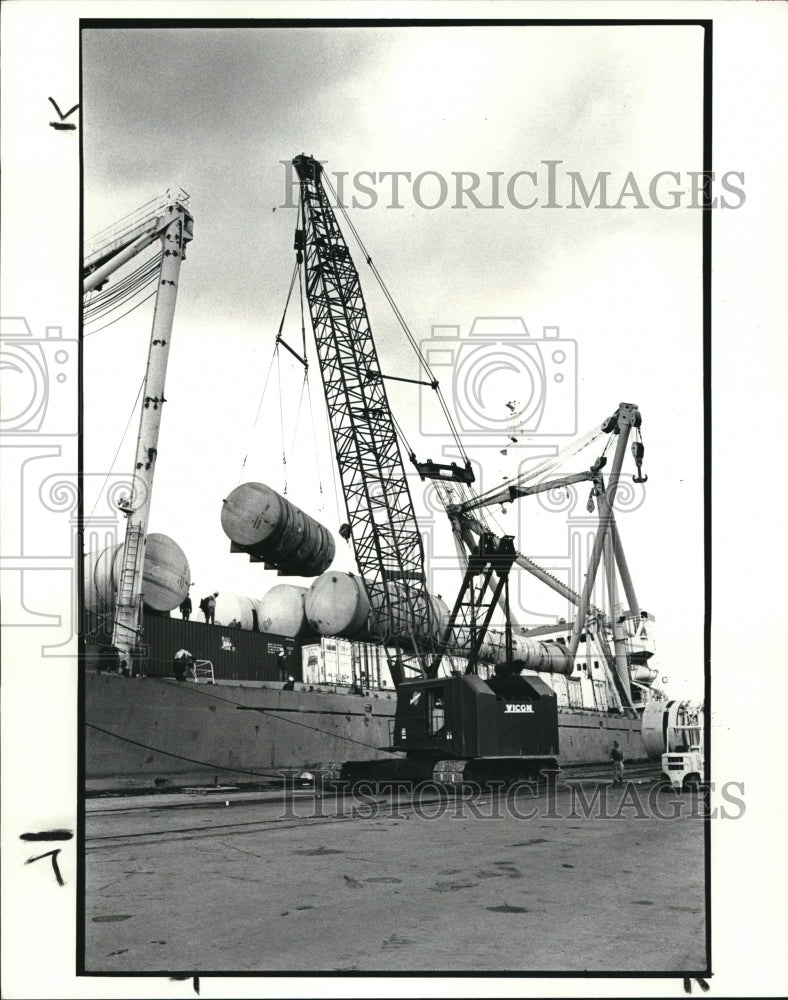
<point x="386" y="539"/>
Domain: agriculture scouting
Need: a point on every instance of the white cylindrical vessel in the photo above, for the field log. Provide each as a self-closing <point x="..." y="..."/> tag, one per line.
<point x="659" y="717"/>
<point x="165" y="575"/>
<point x="234" y="608"/>
<point x="281" y="611"/>
<point x="270" y="528"/>
<point x="403" y="611"/>
<point x="530" y="654"/>
<point x="336" y="604"/>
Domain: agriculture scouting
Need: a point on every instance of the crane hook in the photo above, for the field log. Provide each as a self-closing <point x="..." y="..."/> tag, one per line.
<point x="637" y="452"/>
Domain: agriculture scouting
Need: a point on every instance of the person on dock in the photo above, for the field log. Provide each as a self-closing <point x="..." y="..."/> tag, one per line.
<point x="186" y="608"/>
<point x="289" y="684"/>
<point x="617" y="757"/>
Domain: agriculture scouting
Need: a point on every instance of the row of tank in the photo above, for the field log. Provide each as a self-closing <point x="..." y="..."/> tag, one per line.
<point x="270" y="529"/>
<point x="336" y="604"/>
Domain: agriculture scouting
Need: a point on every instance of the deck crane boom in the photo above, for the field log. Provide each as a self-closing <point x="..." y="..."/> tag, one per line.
<point x="607" y="541"/>
<point x="170" y="221"/>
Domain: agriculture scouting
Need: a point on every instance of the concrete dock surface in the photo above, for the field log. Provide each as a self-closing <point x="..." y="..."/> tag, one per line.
<point x="486" y="882"/>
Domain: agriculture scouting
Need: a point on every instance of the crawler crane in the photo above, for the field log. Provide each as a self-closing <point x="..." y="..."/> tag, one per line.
<point x="456" y="727"/>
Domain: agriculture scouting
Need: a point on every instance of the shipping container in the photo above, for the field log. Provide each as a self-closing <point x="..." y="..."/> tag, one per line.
<point x="346" y="662"/>
<point x="561" y="692"/>
<point x="236" y="654"/>
<point x="575" y="690"/>
<point x="600" y="695"/>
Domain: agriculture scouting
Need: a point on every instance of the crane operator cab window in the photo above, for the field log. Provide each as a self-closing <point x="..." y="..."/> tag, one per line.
<point x="436" y="712"/>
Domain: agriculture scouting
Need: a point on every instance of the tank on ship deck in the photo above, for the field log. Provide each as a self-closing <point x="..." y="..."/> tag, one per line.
<point x="281" y="610"/>
<point x="165" y="575"/>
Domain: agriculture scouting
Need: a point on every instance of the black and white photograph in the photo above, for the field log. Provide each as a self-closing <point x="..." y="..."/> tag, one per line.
<point x="380" y="556"/>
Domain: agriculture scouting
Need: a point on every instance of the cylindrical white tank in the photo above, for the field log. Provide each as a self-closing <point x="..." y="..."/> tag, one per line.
<point x="530" y="654"/>
<point x="267" y="526"/>
<point x="234" y="607"/>
<point x="165" y="575"/>
<point x="658" y="718"/>
<point x="336" y="604"/>
<point x="398" y="627"/>
<point x="281" y="611"/>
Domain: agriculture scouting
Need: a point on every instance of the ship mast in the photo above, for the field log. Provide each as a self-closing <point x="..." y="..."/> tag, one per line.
<point x="171" y="223"/>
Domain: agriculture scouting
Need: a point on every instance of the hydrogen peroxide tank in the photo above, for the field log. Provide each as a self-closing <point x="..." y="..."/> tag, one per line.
<point x="259" y="521"/>
<point x="336" y="604"/>
<point x="165" y="575"/>
<point x="281" y="610"/>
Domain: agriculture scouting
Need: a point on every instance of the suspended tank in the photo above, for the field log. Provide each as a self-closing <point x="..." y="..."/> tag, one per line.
<point x="259" y="521"/>
<point x="281" y="611"/>
<point x="165" y="575"/>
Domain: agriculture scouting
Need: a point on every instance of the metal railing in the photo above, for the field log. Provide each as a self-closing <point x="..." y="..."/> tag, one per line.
<point x="202" y="672"/>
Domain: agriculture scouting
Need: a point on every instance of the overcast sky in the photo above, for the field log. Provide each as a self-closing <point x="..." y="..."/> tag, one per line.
<point x="216" y="111"/>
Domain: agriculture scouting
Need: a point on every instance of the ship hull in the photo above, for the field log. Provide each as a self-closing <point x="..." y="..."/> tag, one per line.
<point x="154" y="732"/>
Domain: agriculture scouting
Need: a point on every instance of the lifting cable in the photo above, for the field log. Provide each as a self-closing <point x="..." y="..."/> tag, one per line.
<point x="274" y="357"/>
<point x="123" y="291"/>
<point x="433" y="382"/>
<point x="281" y="415"/>
<point x="256" y="416"/>
<point x="550" y="464"/>
<point x="305" y="385"/>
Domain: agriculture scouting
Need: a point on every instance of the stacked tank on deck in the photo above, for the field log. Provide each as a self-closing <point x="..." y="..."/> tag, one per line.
<point x="165" y="576"/>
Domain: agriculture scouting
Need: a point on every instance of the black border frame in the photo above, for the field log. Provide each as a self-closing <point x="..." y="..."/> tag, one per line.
<point x="706" y="24"/>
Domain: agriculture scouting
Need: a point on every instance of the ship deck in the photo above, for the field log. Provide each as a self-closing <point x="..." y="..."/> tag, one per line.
<point x="260" y="882"/>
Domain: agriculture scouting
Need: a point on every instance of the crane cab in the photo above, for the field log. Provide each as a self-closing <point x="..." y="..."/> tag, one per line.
<point x="463" y="716"/>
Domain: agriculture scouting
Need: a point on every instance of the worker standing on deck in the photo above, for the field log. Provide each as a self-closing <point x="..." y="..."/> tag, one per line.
<point x="208" y="607"/>
<point x="617" y="756"/>
<point x="186" y="608"/>
<point x="183" y="659"/>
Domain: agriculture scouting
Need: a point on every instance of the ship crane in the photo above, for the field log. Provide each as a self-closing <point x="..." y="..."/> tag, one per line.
<point x="167" y="220"/>
<point x="474" y="535"/>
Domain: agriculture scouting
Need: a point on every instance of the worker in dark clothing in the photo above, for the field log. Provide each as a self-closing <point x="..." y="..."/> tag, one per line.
<point x="208" y="607"/>
<point x="617" y="757"/>
<point x="186" y="608"/>
<point x="289" y="684"/>
<point x="182" y="662"/>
